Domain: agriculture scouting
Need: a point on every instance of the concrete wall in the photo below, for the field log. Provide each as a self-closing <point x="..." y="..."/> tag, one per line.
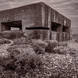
<point x="51" y="15"/>
<point x="29" y="15"/>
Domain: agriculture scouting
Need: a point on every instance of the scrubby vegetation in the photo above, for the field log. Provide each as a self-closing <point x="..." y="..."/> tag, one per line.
<point x="23" y="57"/>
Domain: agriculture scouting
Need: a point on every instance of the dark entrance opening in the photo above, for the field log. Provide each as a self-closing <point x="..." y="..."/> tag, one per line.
<point x="55" y="26"/>
<point x="12" y="25"/>
<point x="55" y="31"/>
<point x="65" y="29"/>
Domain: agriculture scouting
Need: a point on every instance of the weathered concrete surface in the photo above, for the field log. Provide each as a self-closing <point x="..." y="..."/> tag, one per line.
<point x="35" y="15"/>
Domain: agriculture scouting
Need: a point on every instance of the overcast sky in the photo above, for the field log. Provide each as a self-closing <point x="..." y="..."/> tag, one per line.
<point x="68" y="8"/>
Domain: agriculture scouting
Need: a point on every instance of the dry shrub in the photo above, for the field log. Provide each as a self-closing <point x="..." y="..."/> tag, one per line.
<point x="4" y="41"/>
<point x="22" y="40"/>
<point x="51" y="45"/>
<point x="65" y="50"/>
<point x="24" y="60"/>
<point x="28" y="63"/>
<point x="15" y="50"/>
<point x="39" y="46"/>
<point x="61" y="50"/>
<point x="9" y="74"/>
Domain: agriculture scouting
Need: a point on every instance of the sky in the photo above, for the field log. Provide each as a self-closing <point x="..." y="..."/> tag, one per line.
<point x="69" y="8"/>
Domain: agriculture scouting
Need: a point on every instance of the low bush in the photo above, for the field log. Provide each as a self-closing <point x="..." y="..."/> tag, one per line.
<point x="9" y="74"/>
<point x="65" y="50"/>
<point x="62" y="50"/>
<point x="28" y="64"/>
<point x="13" y="52"/>
<point x="23" y="60"/>
<point x="4" y="41"/>
<point x="29" y="60"/>
<point x="22" y="40"/>
<point x="51" y="45"/>
<point x="39" y="46"/>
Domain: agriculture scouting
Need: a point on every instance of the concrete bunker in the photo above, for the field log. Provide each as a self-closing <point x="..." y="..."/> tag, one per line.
<point x="12" y="25"/>
<point x="42" y="16"/>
